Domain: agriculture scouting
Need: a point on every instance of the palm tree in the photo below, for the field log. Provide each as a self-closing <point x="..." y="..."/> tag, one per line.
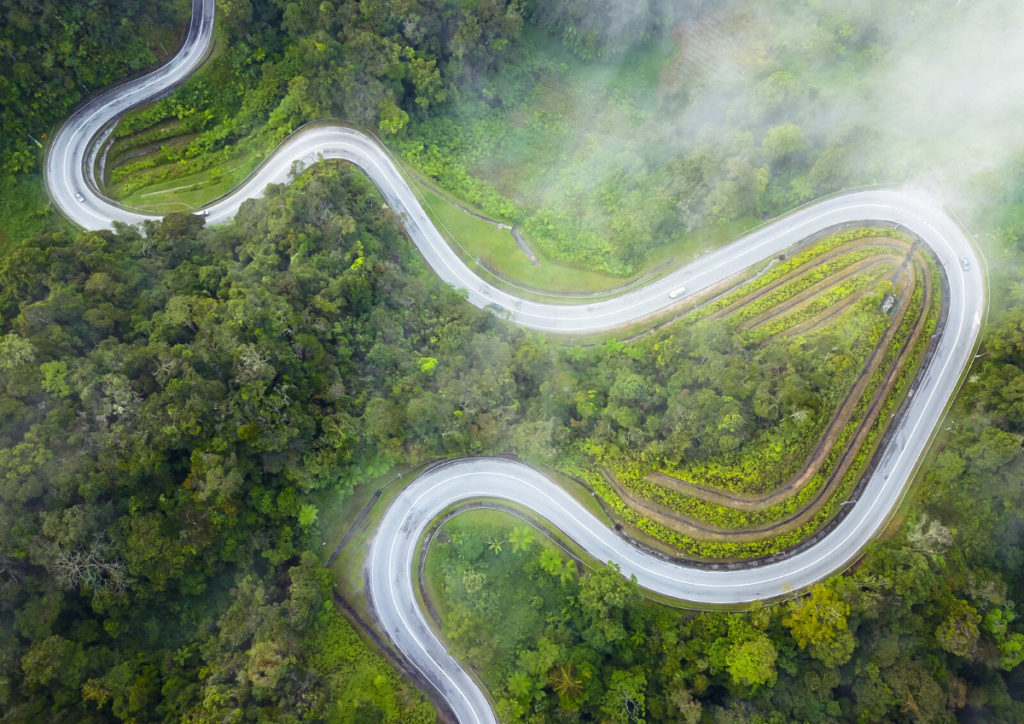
<point x="521" y="539"/>
<point x="565" y="682"/>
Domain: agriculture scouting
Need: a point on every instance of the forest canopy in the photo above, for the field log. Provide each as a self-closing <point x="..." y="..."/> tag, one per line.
<point x="182" y="406"/>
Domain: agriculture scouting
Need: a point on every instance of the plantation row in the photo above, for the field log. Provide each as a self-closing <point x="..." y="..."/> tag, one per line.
<point x="784" y="268"/>
<point x="779" y="452"/>
<point x="753" y="308"/>
<point x="715" y="529"/>
<point x="857" y="283"/>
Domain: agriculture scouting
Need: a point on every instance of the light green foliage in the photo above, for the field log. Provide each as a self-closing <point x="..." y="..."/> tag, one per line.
<point x="475" y="583"/>
<point x="782" y="141"/>
<point x="307" y="515"/>
<point x="392" y="119"/>
<point x="751" y="660"/>
<point x="522" y="539"/>
<point x="625" y="702"/>
<point x="770" y="453"/>
<point x="229" y="374"/>
<point x="219" y="414"/>
<point x="427" y="364"/>
<point x="379" y="69"/>
<point x="818" y="623"/>
<point x="55" y="378"/>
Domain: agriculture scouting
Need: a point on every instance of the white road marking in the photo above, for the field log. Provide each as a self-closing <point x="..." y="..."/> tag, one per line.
<point x="391" y="556"/>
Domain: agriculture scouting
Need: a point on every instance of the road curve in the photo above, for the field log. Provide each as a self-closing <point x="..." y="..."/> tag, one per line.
<point x="69" y="171"/>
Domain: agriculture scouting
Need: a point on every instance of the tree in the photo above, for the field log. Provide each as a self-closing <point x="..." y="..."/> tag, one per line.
<point x="604" y="598"/>
<point x="994" y="449"/>
<point x="818" y="623"/>
<point x="307" y="515"/>
<point x="568" y="684"/>
<point x="958" y="633"/>
<point x="782" y="141"/>
<point x="551" y="562"/>
<point x="751" y="661"/>
<point x="625" y="699"/>
<point x="521" y="539"/>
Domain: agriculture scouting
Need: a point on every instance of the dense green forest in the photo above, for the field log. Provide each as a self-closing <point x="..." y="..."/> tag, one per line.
<point x="183" y="406"/>
<point x="173" y="403"/>
<point x="53" y="55"/>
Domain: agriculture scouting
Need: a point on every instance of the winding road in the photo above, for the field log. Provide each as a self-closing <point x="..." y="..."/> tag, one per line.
<point x="70" y="181"/>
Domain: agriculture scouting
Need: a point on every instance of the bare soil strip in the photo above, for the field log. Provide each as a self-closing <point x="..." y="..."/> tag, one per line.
<point x="802" y="299"/>
<point x="898" y="246"/>
<point x="902" y="281"/>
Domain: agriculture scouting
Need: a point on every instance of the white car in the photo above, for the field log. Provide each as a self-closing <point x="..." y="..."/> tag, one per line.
<point x="965" y="263"/>
<point x="79" y="198"/>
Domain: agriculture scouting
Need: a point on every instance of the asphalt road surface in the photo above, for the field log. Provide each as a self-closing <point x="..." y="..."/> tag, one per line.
<point x="70" y="176"/>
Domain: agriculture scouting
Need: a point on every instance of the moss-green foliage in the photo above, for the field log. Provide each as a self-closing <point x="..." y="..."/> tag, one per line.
<point x="360" y="686"/>
<point x="916" y="626"/>
<point x="173" y="408"/>
<point x="796" y="261"/>
<point x="614" y="144"/>
<point x="52" y="57"/>
<point x="230" y="376"/>
<point x="24" y="209"/>
<point x="925" y="627"/>
<point x="632" y="471"/>
<point x="216" y="120"/>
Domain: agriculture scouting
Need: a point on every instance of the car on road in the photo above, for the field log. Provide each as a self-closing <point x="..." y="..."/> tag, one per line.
<point x="79" y="198"/>
<point x="965" y="263"/>
<point x="676" y="293"/>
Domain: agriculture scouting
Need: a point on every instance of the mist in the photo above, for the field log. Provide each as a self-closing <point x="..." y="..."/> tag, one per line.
<point x="940" y="82"/>
<point x="943" y="91"/>
<point x="771" y="105"/>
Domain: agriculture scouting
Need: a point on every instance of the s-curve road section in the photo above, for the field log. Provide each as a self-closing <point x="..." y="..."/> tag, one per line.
<point x="70" y="180"/>
<point x="70" y="165"/>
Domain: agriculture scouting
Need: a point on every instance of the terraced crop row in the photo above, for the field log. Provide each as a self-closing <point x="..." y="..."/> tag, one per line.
<point x="703" y="518"/>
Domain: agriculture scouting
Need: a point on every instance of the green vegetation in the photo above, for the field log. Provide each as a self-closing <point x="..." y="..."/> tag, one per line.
<point x="186" y="413"/>
<point x="271" y="74"/>
<point x="162" y="578"/>
<point x="547" y="133"/>
<point x="911" y="625"/>
<point x="236" y="376"/>
<point x="610" y="161"/>
<point x="778" y="453"/>
<point x="493" y="251"/>
<point x="210" y="133"/>
<point x="485" y="565"/>
<point x="53" y="56"/>
<point x="186" y="193"/>
<point x="778" y="521"/>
